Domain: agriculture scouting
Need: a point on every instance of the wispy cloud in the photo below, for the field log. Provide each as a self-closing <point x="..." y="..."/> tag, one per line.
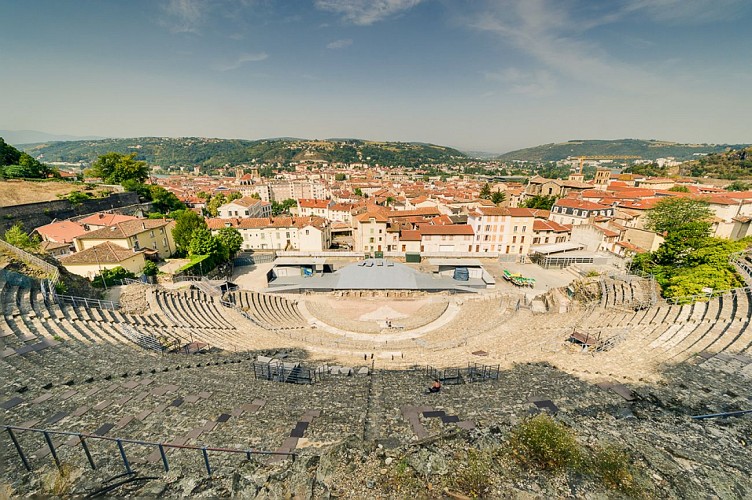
<point x="339" y="44"/>
<point x="554" y="37"/>
<point x="689" y="11"/>
<point x="366" y="12"/>
<point x="538" y="83"/>
<point x="184" y="16"/>
<point x="241" y="60"/>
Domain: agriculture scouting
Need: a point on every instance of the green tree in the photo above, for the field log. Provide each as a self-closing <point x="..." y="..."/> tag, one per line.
<point x="540" y="202"/>
<point x="485" y="192"/>
<point x="186" y="222"/>
<point x="284" y="207"/>
<point x="110" y="277"/>
<point x="358" y="192"/>
<point x="116" y="168"/>
<point x="231" y="239"/>
<point x="17" y="237"/>
<point x="340" y="177"/>
<point x="203" y="243"/>
<point x="164" y="201"/>
<point x="739" y="186"/>
<point x="679" y="189"/>
<point x="216" y="201"/>
<point x="150" y="268"/>
<point x="673" y="213"/>
<point x="77" y="197"/>
<point x="497" y="197"/>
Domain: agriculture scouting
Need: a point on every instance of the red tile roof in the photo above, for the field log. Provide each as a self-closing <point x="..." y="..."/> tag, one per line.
<point x="62" y="232"/>
<point x="264" y="222"/>
<point x="410" y="235"/>
<point x="540" y="225"/>
<point x="446" y="230"/>
<point x="581" y="204"/>
<point x="104" y="253"/>
<point x="125" y="229"/>
<point x="103" y="219"/>
<point x="313" y="203"/>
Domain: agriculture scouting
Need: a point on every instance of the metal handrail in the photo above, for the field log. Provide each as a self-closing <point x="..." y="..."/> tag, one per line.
<point x="87" y="302"/>
<point x="161" y="446"/>
<point x="688" y="299"/>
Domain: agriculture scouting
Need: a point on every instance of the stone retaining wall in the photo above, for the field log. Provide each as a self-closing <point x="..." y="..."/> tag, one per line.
<point x="34" y="215"/>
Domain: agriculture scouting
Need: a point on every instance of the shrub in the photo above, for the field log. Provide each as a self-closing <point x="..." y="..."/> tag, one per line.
<point x="543" y="443"/>
<point x="611" y="466"/>
<point x="109" y="277"/>
<point x="473" y="475"/>
<point x="150" y="268"/>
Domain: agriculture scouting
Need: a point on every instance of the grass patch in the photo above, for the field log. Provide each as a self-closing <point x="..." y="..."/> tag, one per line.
<point x="611" y="467"/>
<point x="543" y="443"/>
<point x="473" y="476"/>
<point x="195" y="261"/>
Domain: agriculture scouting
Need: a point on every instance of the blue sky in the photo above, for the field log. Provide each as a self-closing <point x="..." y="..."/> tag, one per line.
<point x="474" y="74"/>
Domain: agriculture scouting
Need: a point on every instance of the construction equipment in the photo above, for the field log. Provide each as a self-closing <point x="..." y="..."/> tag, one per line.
<point x="605" y="157"/>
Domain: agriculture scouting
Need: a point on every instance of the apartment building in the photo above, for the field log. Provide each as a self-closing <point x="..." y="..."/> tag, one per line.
<point x="307" y="234"/>
<point x="154" y="236"/>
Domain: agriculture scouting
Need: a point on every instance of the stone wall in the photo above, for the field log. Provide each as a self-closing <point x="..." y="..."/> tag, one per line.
<point x="34" y="215"/>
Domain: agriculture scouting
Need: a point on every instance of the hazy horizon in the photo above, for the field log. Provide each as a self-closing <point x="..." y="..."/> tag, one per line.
<point x="490" y="76"/>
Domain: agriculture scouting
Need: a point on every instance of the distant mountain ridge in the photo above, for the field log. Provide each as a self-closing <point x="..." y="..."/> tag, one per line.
<point x="645" y="149"/>
<point x="19" y="137"/>
<point x="213" y="153"/>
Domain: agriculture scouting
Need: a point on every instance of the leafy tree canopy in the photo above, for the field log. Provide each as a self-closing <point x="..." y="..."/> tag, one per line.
<point x="485" y="192"/>
<point x="17" y="164"/>
<point x="231" y="239"/>
<point x="186" y="222"/>
<point x="674" y="213"/>
<point x="497" y="197"/>
<point x="17" y="237"/>
<point x="679" y="189"/>
<point x="739" y="186"/>
<point x="284" y="207"/>
<point x="117" y="168"/>
<point x="540" y="202"/>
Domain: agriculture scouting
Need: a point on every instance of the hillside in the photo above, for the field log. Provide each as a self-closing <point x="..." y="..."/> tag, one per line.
<point x="190" y="151"/>
<point x="735" y="164"/>
<point x="648" y="150"/>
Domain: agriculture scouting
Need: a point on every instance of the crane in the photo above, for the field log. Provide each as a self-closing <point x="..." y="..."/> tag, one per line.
<point x="605" y="157"/>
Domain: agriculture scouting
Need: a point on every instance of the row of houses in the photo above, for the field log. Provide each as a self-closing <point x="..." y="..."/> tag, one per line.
<point x="104" y="241"/>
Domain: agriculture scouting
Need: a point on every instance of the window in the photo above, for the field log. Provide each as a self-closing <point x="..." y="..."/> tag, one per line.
<point x="515" y="229"/>
<point x="514" y="239"/>
<point x="522" y="239"/>
<point x="307" y="232"/>
<point x="488" y="227"/>
<point x="151" y="233"/>
<point x="263" y="236"/>
<point x="524" y="228"/>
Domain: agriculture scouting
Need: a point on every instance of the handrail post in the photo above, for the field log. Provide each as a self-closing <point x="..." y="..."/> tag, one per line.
<point x="18" y="448"/>
<point x="125" y="459"/>
<point x="52" y="448"/>
<point x="164" y="458"/>
<point x="206" y="460"/>
<point x="86" y="450"/>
